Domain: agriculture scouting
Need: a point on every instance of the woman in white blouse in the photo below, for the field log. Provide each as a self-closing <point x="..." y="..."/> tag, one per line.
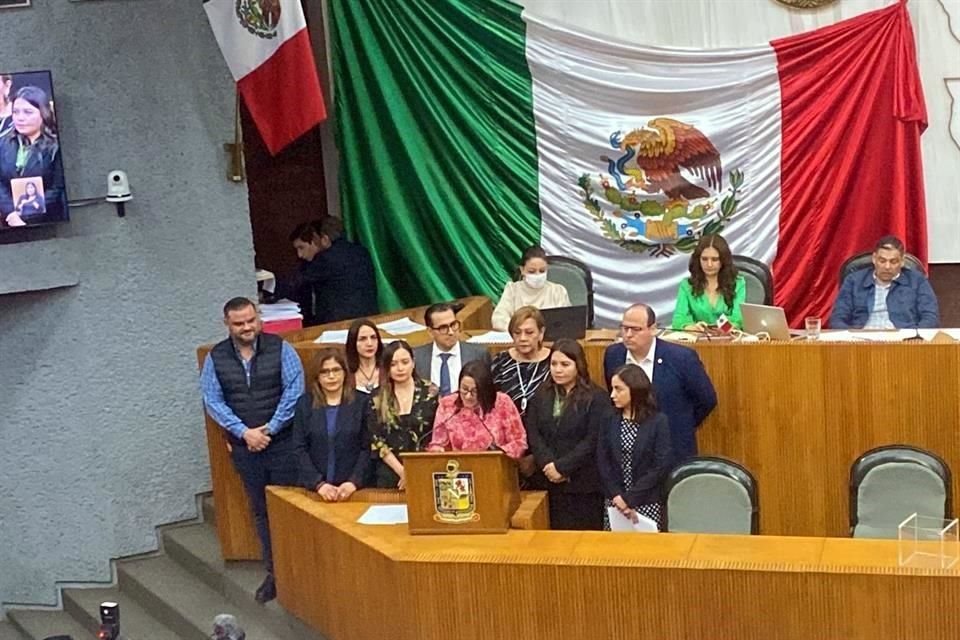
<point x="532" y="290"/>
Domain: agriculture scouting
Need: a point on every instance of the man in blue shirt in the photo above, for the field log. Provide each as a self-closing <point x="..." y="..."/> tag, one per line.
<point x="889" y="296"/>
<point x="251" y="383"/>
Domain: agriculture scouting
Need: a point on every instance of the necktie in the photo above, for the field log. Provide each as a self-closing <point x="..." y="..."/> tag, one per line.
<point x="444" y="374"/>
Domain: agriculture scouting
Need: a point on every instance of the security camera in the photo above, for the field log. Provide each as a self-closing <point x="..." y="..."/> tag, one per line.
<point x="118" y="190"/>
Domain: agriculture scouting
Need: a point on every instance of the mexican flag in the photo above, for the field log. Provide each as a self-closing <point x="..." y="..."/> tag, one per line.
<point x="267" y="48"/>
<point x="469" y="130"/>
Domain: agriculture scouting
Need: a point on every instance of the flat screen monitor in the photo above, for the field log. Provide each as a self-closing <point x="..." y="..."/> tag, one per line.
<point x="32" y="189"/>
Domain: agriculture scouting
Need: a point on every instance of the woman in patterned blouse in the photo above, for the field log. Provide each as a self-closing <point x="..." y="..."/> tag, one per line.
<point x="520" y="370"/>
<point x="633" y="453"/>
<point x="478" y="417"/>
<point x="402" y="414"/>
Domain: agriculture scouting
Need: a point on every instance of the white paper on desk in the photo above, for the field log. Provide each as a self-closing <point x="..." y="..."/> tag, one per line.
<point x="620" y="522"/>
<point x="332" y="336"/>
<point x="384" y="514"/>
<point x="401" y="326"/>
<point x="492" y="337"/>
<point x="281" y="310"/>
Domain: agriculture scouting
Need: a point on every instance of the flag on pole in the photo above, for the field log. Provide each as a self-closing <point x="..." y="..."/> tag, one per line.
<point x="267" y="48"/>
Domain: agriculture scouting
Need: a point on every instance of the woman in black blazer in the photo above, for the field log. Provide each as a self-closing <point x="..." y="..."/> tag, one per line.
<point x="329" y="431"/>
<point x="562" y="422"/>
<point x="634" y="451"/>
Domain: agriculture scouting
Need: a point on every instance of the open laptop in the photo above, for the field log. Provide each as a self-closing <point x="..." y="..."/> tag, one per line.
<point x="565" y="322"/>
<point x="758" y="318"/>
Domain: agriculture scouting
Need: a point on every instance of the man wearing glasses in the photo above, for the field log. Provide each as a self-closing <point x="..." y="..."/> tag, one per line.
<point x="445" y="356"/>
<point x="683" y="389"/>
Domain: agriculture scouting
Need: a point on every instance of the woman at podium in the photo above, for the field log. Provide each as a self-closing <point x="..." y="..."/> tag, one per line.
<point x="634" y="452"/>
<point x="563" y="422"/>
<point x="330" y="431"/>
<point x="478" y="417"/>
<point x="401" y="416"/>
<point x="713" y="291"/>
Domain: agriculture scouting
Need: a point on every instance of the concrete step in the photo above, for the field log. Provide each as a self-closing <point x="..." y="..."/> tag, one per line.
<point x="206" y="508"/>
<point x="187" y="606"/>
<point x="36" y="624"/>
<point x="135" y="622"/>
<point x="10" y="632"/>
<point x="196" y="549"/>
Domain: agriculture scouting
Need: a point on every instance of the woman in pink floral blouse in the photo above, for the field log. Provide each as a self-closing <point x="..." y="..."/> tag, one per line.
<point x="478" y="417"/>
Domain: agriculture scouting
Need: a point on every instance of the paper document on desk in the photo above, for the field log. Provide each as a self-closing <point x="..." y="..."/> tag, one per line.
<point x="280" y="310"/>
<point x="384" y="514"/>
<point x="401" y="326"/>
<point x="620" y="522"/>
<point x="492" y="337"/>
<point x="332" y="336"/>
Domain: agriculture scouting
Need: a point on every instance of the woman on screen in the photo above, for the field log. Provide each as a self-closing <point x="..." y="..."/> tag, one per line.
<point x="6" y="104"/>
<point x="714" y="288"/>
<point x="478" y="417"/>
<point x="633" y="453"/>
<point x="31" y="149"/>
<point x="401" y="416"/>
<point x="532" y="290"/>
<point x="31" y="203"/>
<point x="330" y="431"/>
<point x="364" y="348"/>
<point x="563" y="422"/>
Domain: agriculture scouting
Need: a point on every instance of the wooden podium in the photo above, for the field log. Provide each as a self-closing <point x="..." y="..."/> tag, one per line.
<point x="460" y="492"/>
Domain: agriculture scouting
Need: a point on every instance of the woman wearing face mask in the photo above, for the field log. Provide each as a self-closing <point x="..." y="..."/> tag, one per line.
<point x="401" y="416"/>
<point x="478" y="417"/>
<point x="633" y="453"/>
<point x="563" y="422"/>
<point x="532" y="290"/>
<point x="714" y="288"/>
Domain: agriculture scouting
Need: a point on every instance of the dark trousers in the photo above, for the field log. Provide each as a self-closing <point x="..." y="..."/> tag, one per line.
<point x="277" y="464"/>
<point x="576" y="511"/>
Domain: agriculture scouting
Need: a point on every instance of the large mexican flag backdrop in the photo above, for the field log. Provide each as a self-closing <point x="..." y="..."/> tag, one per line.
<point x="469" y="130"/>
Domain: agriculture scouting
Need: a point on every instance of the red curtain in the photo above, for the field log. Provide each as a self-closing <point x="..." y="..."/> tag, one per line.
<point x="851" y="171"/>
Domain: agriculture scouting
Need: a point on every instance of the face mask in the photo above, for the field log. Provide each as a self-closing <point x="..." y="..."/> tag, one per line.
<point x="535" y="280"/>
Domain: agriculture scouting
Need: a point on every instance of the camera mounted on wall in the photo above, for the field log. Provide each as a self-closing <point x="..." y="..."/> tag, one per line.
<point x="118" y="190"/>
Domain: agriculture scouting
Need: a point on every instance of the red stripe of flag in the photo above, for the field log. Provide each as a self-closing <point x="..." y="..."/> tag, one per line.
<point x="283" y="94"/>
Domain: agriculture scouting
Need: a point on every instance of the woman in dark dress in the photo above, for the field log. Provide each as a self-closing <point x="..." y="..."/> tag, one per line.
<point x="563" y="422"/>
<point x="634" y="452"/>
<point x="330" y="431"/>
<point x="401" y="416"/>
<point x="364" y="349"/>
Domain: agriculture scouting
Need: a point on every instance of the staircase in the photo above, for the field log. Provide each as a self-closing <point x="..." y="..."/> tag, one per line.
<point x="170" y="595"/>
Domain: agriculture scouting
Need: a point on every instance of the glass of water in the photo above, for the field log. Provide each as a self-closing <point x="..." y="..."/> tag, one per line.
<point x="813" y="328"/>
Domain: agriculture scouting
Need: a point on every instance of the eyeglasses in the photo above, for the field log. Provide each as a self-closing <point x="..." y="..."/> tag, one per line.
<point x="447" y="328"/>
<point x="468" y="392"/>
<point x="628" y="328"/>
<point x="333" y="371"/>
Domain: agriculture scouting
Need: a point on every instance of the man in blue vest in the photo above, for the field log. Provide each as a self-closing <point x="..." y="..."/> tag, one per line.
<point x="251" y="383"/>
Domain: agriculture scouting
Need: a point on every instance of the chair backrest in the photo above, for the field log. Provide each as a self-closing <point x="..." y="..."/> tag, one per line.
<point x="758" y="277"/>
<point x="864" y="260"/>
<point x="888" y="484"/>
<point x="711" y="495"/>
<point x="575" y="276"/>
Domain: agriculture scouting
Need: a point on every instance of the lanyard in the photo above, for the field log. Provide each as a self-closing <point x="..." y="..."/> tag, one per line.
<point x="523" y="387"/>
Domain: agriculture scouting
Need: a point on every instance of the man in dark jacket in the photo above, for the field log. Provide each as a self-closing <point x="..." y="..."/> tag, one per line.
<point x="335" y="280"/>
<point x="251" y="383"/>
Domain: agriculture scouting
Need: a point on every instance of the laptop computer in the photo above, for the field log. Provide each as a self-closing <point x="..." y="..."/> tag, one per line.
<point x="565" y="322"/>
<point x="759" y="318"/>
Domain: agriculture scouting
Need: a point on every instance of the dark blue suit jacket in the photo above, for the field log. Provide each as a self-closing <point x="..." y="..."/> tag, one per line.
<point x="351" y="442"/>
<point x="684" y="391"/>
<point x="649" y="465"/>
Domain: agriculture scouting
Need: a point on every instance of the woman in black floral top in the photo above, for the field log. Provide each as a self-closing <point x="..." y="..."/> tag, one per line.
<point x="402" y="415"/>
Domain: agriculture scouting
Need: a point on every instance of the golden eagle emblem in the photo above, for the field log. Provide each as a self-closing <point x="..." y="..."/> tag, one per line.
<point x="259" y="17"/>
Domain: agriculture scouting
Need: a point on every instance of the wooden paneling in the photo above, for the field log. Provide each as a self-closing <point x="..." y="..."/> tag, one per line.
<point x="574" y="585"/>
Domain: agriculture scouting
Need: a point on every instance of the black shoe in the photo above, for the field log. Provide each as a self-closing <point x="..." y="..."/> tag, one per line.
<point x="267" y="591"/>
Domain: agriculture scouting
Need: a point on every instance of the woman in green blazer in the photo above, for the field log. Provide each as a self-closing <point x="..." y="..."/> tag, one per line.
<point x="713" y="289"/>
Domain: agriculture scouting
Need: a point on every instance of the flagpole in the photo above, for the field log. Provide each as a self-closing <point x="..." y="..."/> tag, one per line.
<point x="236" y="170"/>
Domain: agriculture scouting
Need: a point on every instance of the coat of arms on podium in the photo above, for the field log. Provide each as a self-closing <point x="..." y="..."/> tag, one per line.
<point x="453" y="495"/>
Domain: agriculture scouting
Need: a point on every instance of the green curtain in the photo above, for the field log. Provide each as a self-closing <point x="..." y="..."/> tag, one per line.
<point x="435" y="130"/>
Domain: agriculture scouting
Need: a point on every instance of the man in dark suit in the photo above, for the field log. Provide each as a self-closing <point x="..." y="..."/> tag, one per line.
<point x="336" y="278"/>
<point x="684" y="391"/>
<point x="441" y="360"/>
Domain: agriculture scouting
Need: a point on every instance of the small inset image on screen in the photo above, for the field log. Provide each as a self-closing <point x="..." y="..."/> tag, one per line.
<point x="32" y="190"/>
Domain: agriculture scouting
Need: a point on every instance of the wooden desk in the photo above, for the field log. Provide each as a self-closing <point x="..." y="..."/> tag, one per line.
<point x="562" y="585"/>
<point x="238" y="538"/>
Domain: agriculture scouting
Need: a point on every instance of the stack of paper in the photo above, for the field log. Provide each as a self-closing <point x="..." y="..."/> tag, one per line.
<point x="620" y="522"/>
<point x="492" y="337"/>
<point x="332" y="336"/>
<point x="401" y="326"/>
<point x="280" y="310"/>
<point x="384" y="514"/>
